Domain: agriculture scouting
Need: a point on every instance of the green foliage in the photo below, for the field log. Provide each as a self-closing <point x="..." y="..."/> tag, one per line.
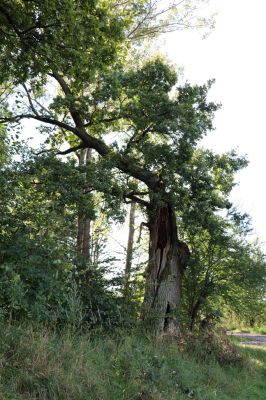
<point x="33" y="262"/>
<point x="39" y="267"/>
<point x="224" y="270"/>
<point x="204" y="188"/>
<point x="3" y="146"/>
<point x="40" y="30"/>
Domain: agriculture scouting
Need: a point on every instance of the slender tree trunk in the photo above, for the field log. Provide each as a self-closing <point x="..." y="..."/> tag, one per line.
<point x="194" y="314"/>
<point x="130" y="244"/>
<point x="86" y="239"/>
<point x="167" y="260"/>
<point x="84" y="224"/>
<point x="252" y="322"/>
<point x="80" y="234"/>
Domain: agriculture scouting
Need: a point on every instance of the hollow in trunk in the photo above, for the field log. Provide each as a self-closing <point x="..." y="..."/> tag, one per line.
<point x="167" y="260"/>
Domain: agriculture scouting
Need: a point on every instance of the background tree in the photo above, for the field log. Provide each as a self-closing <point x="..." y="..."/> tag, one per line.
<point x="130" y="246"/>
<point x="224" y="264"/>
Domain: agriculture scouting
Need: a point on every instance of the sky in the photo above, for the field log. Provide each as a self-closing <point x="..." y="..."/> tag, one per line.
<point x="234" y="54"/>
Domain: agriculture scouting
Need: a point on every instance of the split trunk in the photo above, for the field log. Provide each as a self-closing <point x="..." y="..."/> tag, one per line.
<point x="167" y="260"/>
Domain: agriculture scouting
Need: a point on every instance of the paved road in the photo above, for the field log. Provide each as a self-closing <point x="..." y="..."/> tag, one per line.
<point x="250" y="338"/>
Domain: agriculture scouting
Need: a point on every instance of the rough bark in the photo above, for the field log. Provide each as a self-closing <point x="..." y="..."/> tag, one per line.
<point x="167" y="260"/>
<point x="130" y="243"/>
<point x="84" y="223"/>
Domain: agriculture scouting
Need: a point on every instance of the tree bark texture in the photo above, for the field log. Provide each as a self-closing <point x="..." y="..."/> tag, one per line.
<point x="167" y="260"/>
<point x="84" y="223"/>
<point x="130" y="244"/>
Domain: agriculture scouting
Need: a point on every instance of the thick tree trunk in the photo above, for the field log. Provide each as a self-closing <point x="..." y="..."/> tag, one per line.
<point x="130" y="244"/>
<point x="84" y="224"/>
<point x="167" y="260"/>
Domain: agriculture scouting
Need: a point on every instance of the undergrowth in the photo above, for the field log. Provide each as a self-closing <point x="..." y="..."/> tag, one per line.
<point x="37" y="364"/>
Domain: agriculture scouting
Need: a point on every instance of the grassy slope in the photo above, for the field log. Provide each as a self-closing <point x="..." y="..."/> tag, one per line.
<point x="36" y="365"/>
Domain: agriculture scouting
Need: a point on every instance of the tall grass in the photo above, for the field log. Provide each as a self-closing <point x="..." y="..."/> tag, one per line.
<point x="37" y="364"/>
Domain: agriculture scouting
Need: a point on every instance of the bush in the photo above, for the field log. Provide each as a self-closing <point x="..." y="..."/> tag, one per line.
<point x="207" y="345"/>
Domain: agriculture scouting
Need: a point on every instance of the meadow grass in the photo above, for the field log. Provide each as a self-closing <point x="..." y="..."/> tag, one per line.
<point x="37" y="364"/>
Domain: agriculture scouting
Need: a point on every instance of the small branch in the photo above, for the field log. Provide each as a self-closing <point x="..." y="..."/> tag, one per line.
<point x="72" y="149"/>
<point x="105" y="120"/>
<point x="42" y="107"/>
<point x="64" y="152"/>
<point x="138" y="193"/>
<point x="140" y="230"/>
<point x="134" y="139"/>
<point x="9" y="19"/>
<point x="88" y="191"/>
<point x="47" y="120"/>
<point x="137" y="200"/>
<point x="36" y="183"/>
<point x="30" y="100"/>
<point x="12" y="23"/>
<point x="66" y="89"/>
<point x="38" y="26"/>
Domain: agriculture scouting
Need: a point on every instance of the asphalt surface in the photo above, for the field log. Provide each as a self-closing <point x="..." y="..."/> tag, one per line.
<point x="250" y="338"/>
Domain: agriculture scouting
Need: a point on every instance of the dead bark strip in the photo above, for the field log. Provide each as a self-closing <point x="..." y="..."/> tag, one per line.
<point x="167" y="260"/>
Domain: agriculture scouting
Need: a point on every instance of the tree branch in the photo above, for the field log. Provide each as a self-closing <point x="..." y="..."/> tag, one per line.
<point x="9" y="19"/>
<point x="40" y="118"/>
<point x="72" y="149"/>
<point x="12" y="23"/>
<point x="132" y="197"/>
<point x="66" y="89"/>
<point x="30" y="99"/>
<point x="140" y="229"/>
<point x="64" y="152"/>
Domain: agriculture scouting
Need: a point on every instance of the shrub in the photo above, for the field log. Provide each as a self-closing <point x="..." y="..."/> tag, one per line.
<point x="206" y="345"/>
